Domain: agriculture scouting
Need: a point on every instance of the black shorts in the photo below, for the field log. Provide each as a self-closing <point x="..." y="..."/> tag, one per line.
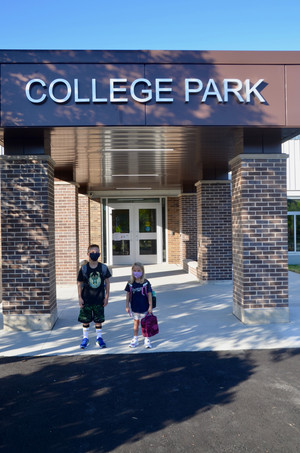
<point x="89" y="313"/>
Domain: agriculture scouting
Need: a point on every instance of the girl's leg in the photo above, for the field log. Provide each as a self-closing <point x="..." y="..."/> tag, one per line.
<point x="135" y="342"/>
<point x="136" y="323"/>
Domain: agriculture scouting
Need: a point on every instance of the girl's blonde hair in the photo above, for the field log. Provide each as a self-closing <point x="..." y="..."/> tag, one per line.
<point x="143" y="270"/>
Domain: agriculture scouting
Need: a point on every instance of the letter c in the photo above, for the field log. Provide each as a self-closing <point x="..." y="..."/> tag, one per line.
<point x="28" y="88"/>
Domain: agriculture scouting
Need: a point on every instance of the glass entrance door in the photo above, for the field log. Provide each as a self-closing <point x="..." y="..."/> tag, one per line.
<point x="146" y="235"/>
<point x="135" y="233"/>
<point x="121" y="243"/>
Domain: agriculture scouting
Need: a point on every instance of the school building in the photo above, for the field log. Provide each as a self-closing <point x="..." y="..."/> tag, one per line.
<point x="157" y="156"/>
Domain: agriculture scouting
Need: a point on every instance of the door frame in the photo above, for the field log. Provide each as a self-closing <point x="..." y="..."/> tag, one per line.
<point x="134" y="206"/>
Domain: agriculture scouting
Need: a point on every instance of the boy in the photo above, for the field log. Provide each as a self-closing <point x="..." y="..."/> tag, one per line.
<point x="93" y="292"/>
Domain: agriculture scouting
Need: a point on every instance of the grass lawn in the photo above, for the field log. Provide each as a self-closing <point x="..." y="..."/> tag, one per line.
<point x="294" y="268"/>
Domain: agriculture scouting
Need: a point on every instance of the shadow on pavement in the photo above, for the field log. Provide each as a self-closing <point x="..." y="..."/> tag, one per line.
<point x="66" y="404"/>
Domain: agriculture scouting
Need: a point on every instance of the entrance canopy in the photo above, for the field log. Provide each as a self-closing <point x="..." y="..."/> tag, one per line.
<point x="134" y="130"/>
<point x="151" y="120"/>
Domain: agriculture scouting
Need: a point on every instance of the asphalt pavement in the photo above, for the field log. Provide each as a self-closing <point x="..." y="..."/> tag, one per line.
<point x="210" y="384"/>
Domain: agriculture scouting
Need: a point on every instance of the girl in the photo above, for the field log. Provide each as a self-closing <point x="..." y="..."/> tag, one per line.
<point x="139" y="296"/>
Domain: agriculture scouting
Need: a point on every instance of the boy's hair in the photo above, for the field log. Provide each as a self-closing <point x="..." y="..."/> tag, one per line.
<point x="93" y="246"/>
<point x="143" y="270"/>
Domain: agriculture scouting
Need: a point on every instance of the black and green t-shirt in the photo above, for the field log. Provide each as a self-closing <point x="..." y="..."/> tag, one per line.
<point x="93" y="291"/>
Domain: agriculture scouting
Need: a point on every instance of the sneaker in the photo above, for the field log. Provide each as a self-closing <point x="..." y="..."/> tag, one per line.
<point x="84" y="343"/>
<point x="147" y="343"/>
<point x="134" y="343"/>
<point x="100" y="343"/>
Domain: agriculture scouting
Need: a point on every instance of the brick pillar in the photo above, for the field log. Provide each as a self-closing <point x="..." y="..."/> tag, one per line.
<point x="95" y="223"/>
<point x="214" y="230"/>
<point x="260" y="256"/>
<point x="66" y="232"/>
<point x="173" y="230"/>
<point x="83" y="225"/>
<point x="188" y="226"/>
<point x="28" y="248"/>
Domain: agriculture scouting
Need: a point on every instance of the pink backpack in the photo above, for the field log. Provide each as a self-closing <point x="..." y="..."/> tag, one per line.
<point x="149" y="325"/>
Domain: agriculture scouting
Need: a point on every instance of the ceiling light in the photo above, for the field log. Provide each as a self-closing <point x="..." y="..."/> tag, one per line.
<point x="135" y="175"/>
<point x="133" y="188"/>
<point x="128" y="150"/>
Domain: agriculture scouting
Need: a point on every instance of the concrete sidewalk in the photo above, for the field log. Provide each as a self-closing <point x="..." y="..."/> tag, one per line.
<point x="192" y="317"/>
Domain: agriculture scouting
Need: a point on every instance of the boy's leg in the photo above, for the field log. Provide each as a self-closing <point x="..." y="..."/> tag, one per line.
<point x="98" y="320"/>
<point x="100" y="342"/>
<point x="85" y="317"/>
<point x="85" y="339"/>
<point x="85" y="330"/>
<point x="98" y="330"/>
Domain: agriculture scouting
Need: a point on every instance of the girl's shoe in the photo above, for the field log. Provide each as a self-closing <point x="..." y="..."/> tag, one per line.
<point x="147" y="343"/>
<point x="134" y="343"/>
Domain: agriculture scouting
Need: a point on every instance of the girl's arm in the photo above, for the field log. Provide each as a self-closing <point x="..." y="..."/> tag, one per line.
<point x="127" y="302"/>
<point x="150" y="302"/>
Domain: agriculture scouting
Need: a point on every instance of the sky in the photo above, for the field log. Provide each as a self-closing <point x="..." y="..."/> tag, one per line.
<point x="155" y="24"/>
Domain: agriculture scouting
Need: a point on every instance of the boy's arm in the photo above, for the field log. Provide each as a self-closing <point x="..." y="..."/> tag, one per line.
<point x="107" y="288"/>
<point x="81" y="301"/>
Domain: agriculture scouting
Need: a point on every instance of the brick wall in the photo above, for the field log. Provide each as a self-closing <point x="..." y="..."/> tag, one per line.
<point x="260" y="257"/>
<point x="188" y="226"/>
<point x="173" y="229"/>
<point x="95" y="223"/>
<point x="214" y="230"/>
<point x="66" y="232"/>
<point x="83" y="225"/>
<point x="28" y="251"/>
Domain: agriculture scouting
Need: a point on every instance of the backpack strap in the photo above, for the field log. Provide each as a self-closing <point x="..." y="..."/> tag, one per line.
<point x="85" y="272"/>
<point x="103" y="270"/>
<point x="144" y="289"/>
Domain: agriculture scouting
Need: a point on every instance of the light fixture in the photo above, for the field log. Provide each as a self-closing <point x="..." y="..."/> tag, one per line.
<point x="133" y="188"/>
<point x="130" y="150"/>
<point x="135" y="175"/>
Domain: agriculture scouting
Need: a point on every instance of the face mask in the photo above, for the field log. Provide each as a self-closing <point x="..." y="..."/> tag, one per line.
<point x="137" y="274"/>
<point x="94" y="256"/>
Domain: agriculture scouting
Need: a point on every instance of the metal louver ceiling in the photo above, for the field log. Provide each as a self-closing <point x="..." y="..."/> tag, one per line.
<point x="159" y="158"/>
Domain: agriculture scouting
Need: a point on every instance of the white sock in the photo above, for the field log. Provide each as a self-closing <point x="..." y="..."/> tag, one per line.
<point x="99" y="333"/>
<point x="85" y="332"/>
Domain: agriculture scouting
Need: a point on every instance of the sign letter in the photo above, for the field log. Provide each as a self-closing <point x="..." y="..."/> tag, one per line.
<point x="94" y="93"/>
<point x="114" y="90"/>
<point x="189" y="90"/>
<point x="76" y="93"/>
<point x="233" y="89"/>
<point x="148" y="93"/>
<point x="159" y="90"/>
<point x="253" y="91"/>
<point x="215" y="92"/>
<point x="51" y="89"/>
<point x="28" y="94"/>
